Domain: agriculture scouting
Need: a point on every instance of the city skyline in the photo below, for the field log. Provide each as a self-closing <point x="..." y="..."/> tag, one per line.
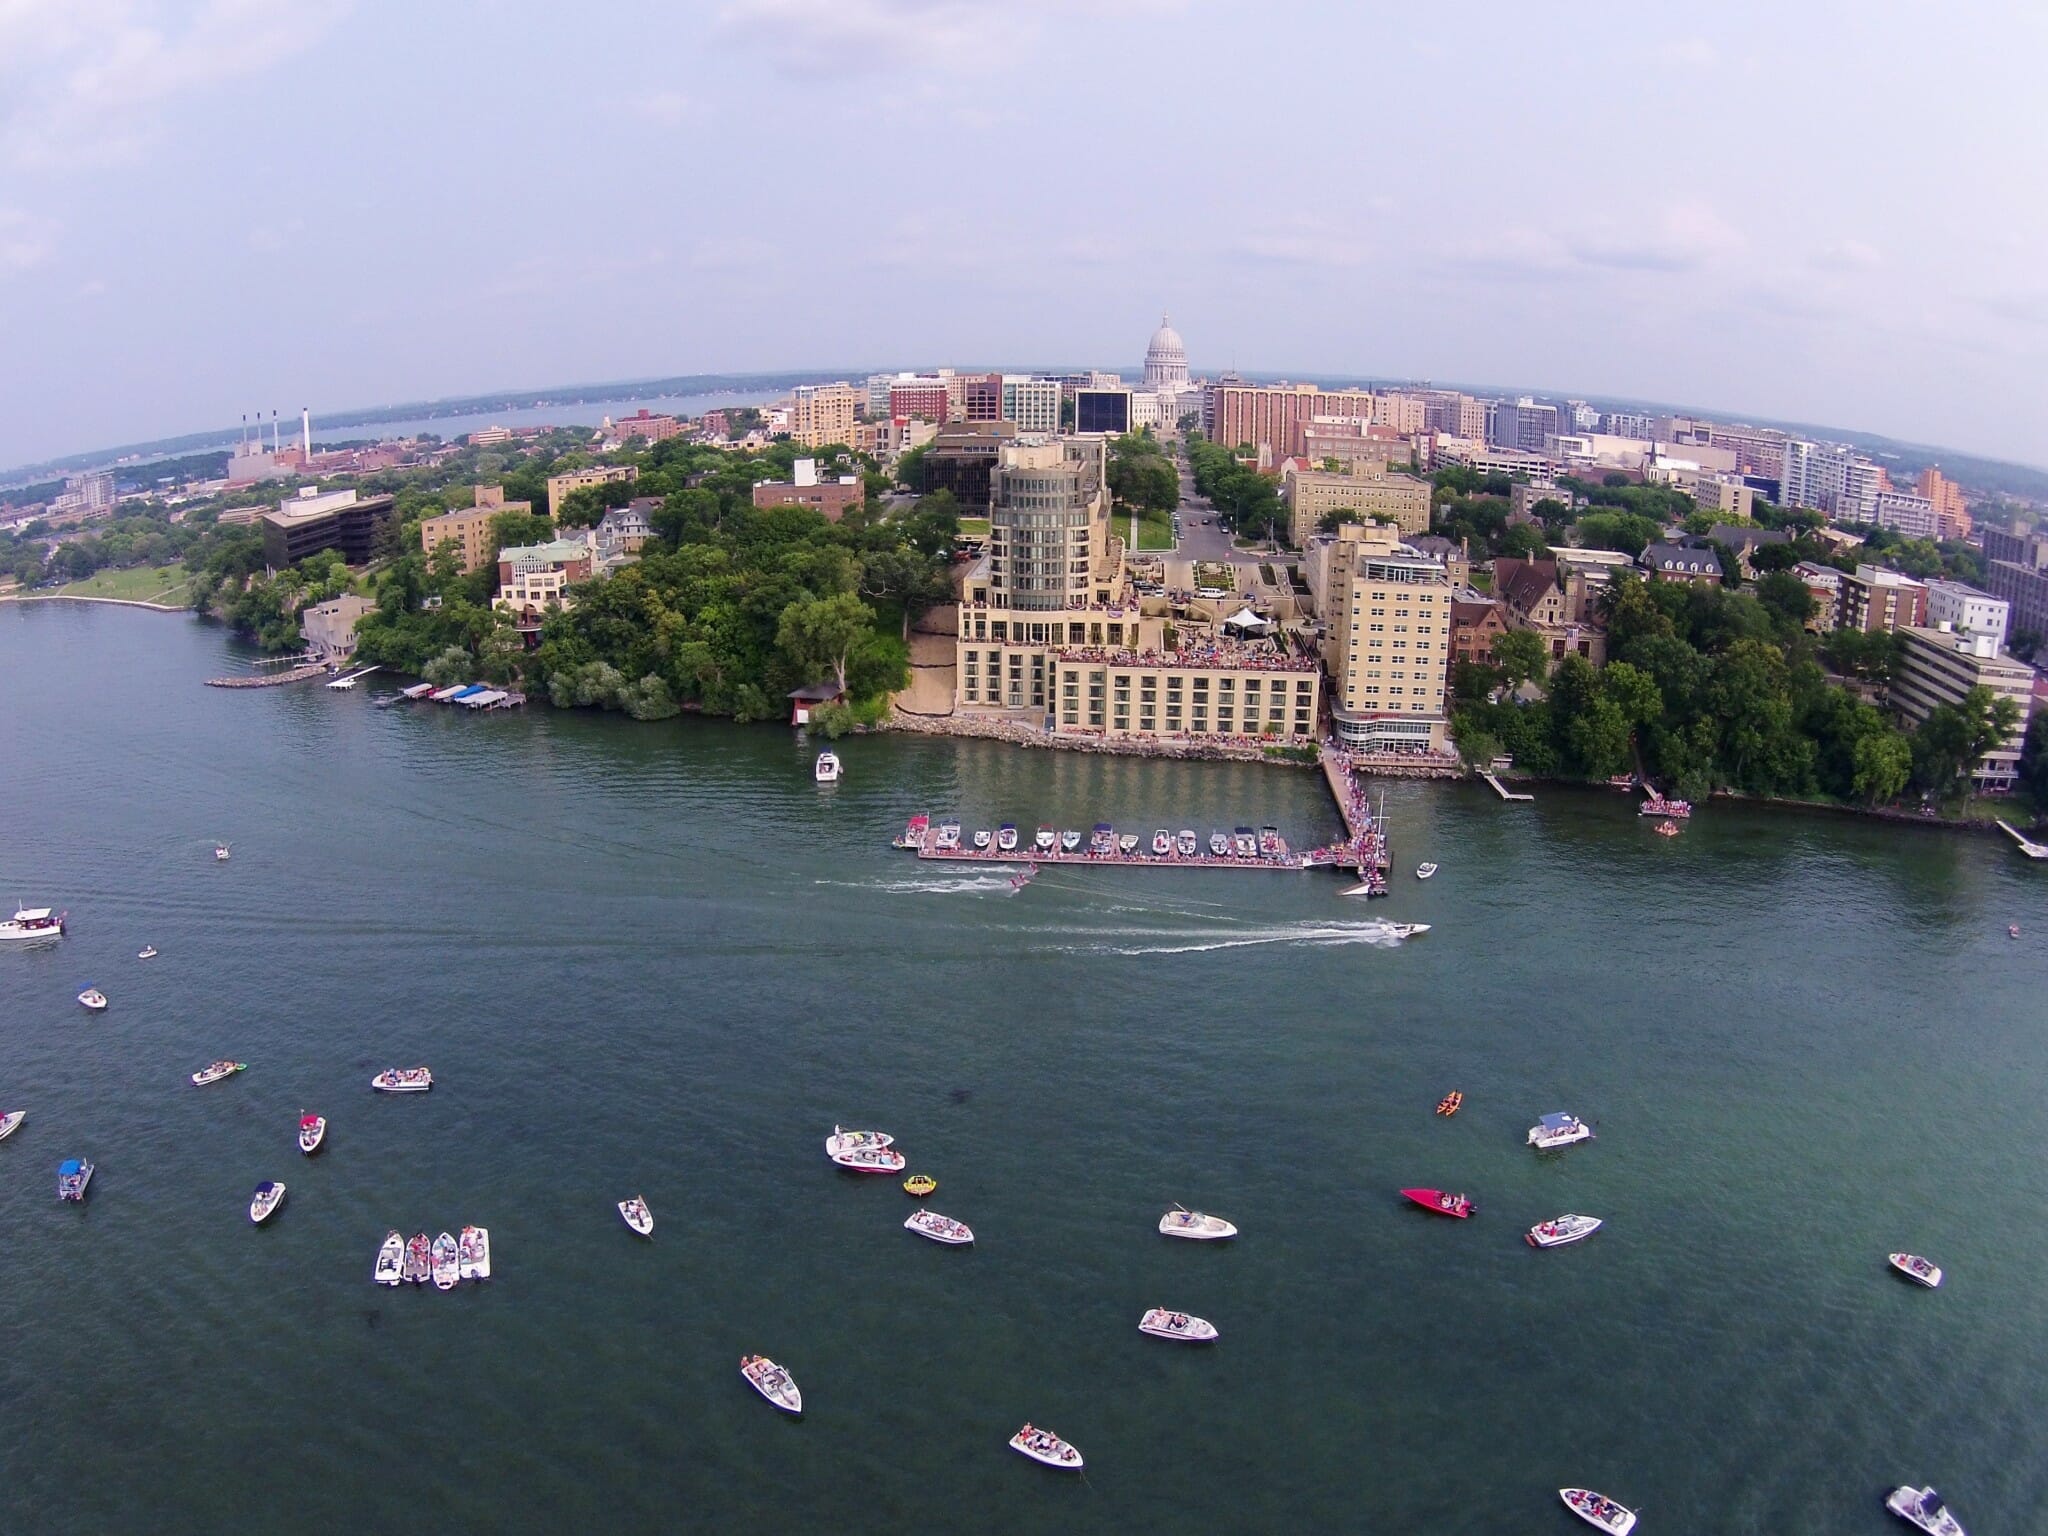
<point x="197" y="214"/>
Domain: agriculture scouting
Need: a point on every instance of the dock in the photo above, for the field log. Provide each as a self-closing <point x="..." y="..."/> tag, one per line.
<point x="2030" y="848"/>
<point x="1286" y="859"/>
<point x="1501" y="789"/>
<point x="351" y="679"/>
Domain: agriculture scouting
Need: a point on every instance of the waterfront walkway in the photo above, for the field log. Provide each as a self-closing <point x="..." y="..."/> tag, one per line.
<point x="1501" y="789"/>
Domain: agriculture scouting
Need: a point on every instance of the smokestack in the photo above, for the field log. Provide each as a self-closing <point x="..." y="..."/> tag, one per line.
<point x="306" y="430"/>
<point x="273" y="431"/>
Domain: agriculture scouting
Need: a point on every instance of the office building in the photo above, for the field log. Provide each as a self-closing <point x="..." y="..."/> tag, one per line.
<point x="1103" y="410"/>
<point x="1631" y="424"/>
<point x="1937" y="666"/>
<point x="1523" y="424"/>
<point x="1875" y="598"/>
<point x="981" y="397"/>
<point x="1031" y="405"/>
<point x="1386" y="607"/>
<point x="962" y="458"/>
<point x="1277" y="417"/>
<point x="929" y="399"/>
<point x="313" y="522"/>
<point x="830" y="495"/>
<point x="1952" y="605"/>
<point x="559" y="486"/>
<point x="1370" y="492"/>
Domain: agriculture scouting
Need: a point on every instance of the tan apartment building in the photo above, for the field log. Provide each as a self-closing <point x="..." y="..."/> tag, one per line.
<point x="1938" y="666"/>
<point x="469" y="529"/>
<point x="1227" y="692"/>
<point x="1386" y="609"/>
<point x="1876" y="598"/>
<point x="1313" y="495"/>
<point x="821" y="414"/>
<point x="559" y="486"/>
<point x="1951" y="517"/>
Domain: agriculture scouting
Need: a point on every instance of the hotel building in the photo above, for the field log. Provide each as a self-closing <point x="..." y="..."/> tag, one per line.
<point x="1936" y="666"/>
<point x="1387" y="611"/>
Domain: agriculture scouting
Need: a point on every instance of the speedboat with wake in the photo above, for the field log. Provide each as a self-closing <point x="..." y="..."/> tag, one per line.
<point x="1042" y="1445"/>
<point x="1006" y="837"/>
<point x="11" y="1122"/>
<point x="636" y="1215"/>
<point x="32" y="923"/>
<point x="1562" y="1230"/>
<point x="1162" y="843"/>
<point x="1023" y="877"/>
<point x="843" y="1140"/>
<point x="312" y="1132"/>
<point x="419" y="1258"/>
<point x="447" y="1263"/>
<point x="1182" y="1222"/>
<point x="403" y="1080"/>
<point x="264" y="1203"/>
<point x="390" y="1266"/>
<point x="1596" y="1509"/>
<point x="214" y="1071"/>
<point x="1553" y="1131"/>
<point x="940" y="1229"/>
<point x="73" y="1175"/>
<point x="94" y="999"/>
<point x="1407" y="930"/>
<point x="1923" y="1507"/>
<point x="473" y="1251"/>
<point x="1440" y="1202"/>
<point x="1916" y="1269"/>
<point x="772" y="1382"/>
<point x="1186" y="844"/>
<point x="1179" y="1326"/>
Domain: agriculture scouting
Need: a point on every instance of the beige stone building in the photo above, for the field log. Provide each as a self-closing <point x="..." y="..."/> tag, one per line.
<point x="1370" y="492"/>
<point x="823" y="413"/>
<point x="559" y="486"/>
<point x="1386" y="609"/>
<point x="1938" y="666"/>
<point x="469" y="529"/>
<point x="1227" y="691"/>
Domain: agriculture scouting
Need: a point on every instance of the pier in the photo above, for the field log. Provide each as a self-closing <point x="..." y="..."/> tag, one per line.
<point x="352" y="679"/>
<point x="2030" y="848"/>
<point x="1501" y="789"/>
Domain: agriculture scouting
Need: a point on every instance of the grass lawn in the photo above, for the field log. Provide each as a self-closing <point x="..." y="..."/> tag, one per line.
<point x="1153" y="532"/>
<point x="142" y="584"/>
<point x="974" y="527"/>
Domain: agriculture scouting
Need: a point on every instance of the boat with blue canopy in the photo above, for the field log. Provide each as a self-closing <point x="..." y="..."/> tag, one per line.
<point x="1559" y="1130"/>
<point x="73" y="1174"/>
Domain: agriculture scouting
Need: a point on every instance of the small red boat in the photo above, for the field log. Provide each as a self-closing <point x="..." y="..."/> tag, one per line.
<point x="1443" y="1204"/>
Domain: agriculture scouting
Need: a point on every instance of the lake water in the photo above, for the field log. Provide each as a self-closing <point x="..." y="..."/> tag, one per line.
<point x="565" y="413"/>
<point x="659" y="959"/>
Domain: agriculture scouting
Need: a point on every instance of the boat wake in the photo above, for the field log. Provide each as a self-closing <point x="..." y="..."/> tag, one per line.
<point x="930" y="885"/>
<point x="1379" y="935"/>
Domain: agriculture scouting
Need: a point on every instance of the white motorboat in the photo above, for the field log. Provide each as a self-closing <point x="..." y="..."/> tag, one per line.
<point x="1270" y="845"/>
<point x="1219" y="844"/>
<point x="220" y="853"/>
<point x="940" y="1229"/>
<point x="772" y="1382"/>
<point x="447" y="1264"/>
<point x="419" y="1259"/>
<point x="1596" y="1509"/>
<point x="826" y="769"/>
<point x="1162" y="843"/>
<point x="949" y="836"/>
<point x="148" y="952"/>
<point x="94" y="999"/>
<point x="1006" y="838"/>
<point x="1127" y="844"/>
<point x="473" y="1251"/>
<point x="1046" y="840"/>
<point x="1070" y="840"/>
<point x="1916" y="1269"/>
<point x="1424" y="871"/>
<point x="1559" y="1130"/>
<point x="871" y="1160"/>
<point x="1245" y="843"/>
<point x="1102" y="839"/>
<point x="312" y="1132"/>
<point x="390" y="1266"/>
<point x="264" y="1203"/>
<point x="1162" y="1323"/>
<point x="32" y="923"/>
<point x="11" y="1122"/>
<point x="637" y="1216"/>
<point x="1186" y="844"/>
<point x="1405" y="930"/>
<point x="981" y="839"/>
<point x="403" y="1080"/>
<point x="73" y="1175"/>
<point x="1563" y="1229"/>
<point x="1923" y="1507"/>
<point x="843" y="1140"/>
<point x="214" y="1071"/>
<point x="1043" y="1445"/>
<point x="1182" y="1222"/>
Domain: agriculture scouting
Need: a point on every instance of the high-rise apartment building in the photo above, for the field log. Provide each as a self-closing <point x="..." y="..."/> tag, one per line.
<point x="1369" y="492"/>
<point x="1876" y="598"/>
<point x="1911" y="515"/>
<point x="1048" y="523"/>
<point x="1632" y="424"/>
<point x="1951" y="517"/>
<point x="822" y="414"/>
<point x="1938" y="667"/>
<point x="927" y="399"/>
<point x="1387" y="608"/>
<point x="1523" y="424"/>
<point x="1830" y="478"/>
<point x="1278" y="416"/>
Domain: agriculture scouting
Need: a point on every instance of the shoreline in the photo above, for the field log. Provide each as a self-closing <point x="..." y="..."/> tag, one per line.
<point x="1972" y="824"/>
<point x="80" y="597"/>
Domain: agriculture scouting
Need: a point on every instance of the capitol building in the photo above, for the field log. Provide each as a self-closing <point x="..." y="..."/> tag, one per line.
<point x="1165" y="395"/>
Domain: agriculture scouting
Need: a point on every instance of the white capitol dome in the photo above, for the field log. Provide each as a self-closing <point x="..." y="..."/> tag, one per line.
<point x="1166" y="359"/>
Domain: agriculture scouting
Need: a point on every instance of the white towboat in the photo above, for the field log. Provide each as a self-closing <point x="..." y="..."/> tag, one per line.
<point x="1916" y="1269"/>
<point x="1551" y="1131"/>
<point x="94" y="999"/>
<point x="1070" y="840"/>
<point x="473" y="1250"/>
<point x="940" y="1229"/>
<point x="1045" y="840"/>
<point x="843" y="1140"/>
<point x="447" y="1266"/>
<point x="1923" y="1507"/>
<point x="1162" y="843"/>
<point x="1162" y="1323"/>
<point x="264" y="1203"/>
<point x="871" y="1160"/>
<point x="1182" y="1222"/>
<point x="981" y="839"/>
<point x="312" y="1132"/>
<point x="1006" y="838"/>
<point x="214" y="1071"/>
<point x="637" y="1216"/>
<point x="826" y="769"/>
<point x="772" y="1382"/>
<point x="1186" y="844"/>
<point x="403" y="1080"/>
<point x="148" y="952"/>
<point x="1563" y="1229"/>
<point x="31" y="923"/>
<point x="949" y="836"/>
<point x="390" y="1266"/>
<point x="1044" y="1446"/>
<point x="11" y="1122"/>
<point x="1219" y="844"/>
<point x="1405" y="930"/>
<point x="1596" y="1509"/>
<point x="1424" y="871"/>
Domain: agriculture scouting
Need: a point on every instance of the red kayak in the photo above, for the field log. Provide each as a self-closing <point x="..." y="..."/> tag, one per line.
<point x="1444" y="1205"/>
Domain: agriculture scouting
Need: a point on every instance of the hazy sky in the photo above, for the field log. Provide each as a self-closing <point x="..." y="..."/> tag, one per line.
<point x="1829" y="212"/>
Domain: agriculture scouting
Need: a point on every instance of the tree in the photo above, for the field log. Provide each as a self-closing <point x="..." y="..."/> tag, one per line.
<point x="1953" y="740"/>
<point x="1521" y="541"/>
<point x="906" y="578"/>
<point x="819" y="633"/>
<point x="1789" y="600"/>
<point x="1883" y="764"/>
<point x="1626" y="532"/>
<point x="2034" y="761"/>
<point x="1521" y="656"/>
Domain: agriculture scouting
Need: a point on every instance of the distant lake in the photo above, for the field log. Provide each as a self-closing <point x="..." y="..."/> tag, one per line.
<point x="567" y="412"/>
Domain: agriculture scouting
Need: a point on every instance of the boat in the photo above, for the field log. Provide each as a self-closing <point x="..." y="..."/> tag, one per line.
<point x="1450" y="1103"/>
<point x="912" y="835"/>
<point x="1127" y="844"/>
<point x="1552" y="1131"/>
<point x="920" y="1185"/>
<point x="1182" y="1222"/>
<point x="1657" y="805"/>
<point x="94" y="999"/>
<point x="2012" y="930"/>
<point x="1916" y="1269"/>
<point x="1561" y="1230"/>
<point x="1070" y="841"/>
<point x="1186" y="844"/>
<point x="871" y="1160"/>
<point x="73" y="1175"/>
<point x="32" y="923"/>
<point x="1102" y="839"/>
<point x="403" y="1080"/>
<point x="10" y="1122"/>
<point x="1046" y="840"/>
<point x="1006" y="838"/>
<point x="473" y="1252"/>
<point x="447" y="1266"/>
<point x="148" y="952"/>
<point x="981" y="839"/>
<point x="1270" y="845"/>
<point x="1923" y="1507"/>
<point x="948" y="838"/>
<point x="1407" y="930"/>
<point x="264" y="1203"/>
<point x="772" y="1382"/>
<point x="1441" y="1203"/>
<point x="1023" y="877"/>
<point x="1042" y="1445"/>
<point x="940" y="1229"/>
<point x="1596" y="1509"/>
<point x="1424" y="871"/>
<point x="390" y="1266"/>
<point x="220" y="853"/>
<point x="843" y="1140"/>
<point x="214" y="1071"/>
<point x="1162" y="843"/>
<point x="826" y="769"/>
<point x="1219" y="844"/>
<point x="1179" y="1326"/>
<point x="1667" y="829"/>
<point x="419" y="1259"/>
<point x="1245" y="843"/>
<point x="637" y="1216"/>
<point x="312" y="1132"/>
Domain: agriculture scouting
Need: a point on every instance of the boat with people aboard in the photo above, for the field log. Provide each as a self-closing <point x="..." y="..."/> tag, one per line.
<point x="948" y="837"/>
<point x="1023" y="877"/>
<point x="1046" y="839"/>
<point x="1162" y="843"/>
<point x="912" y="835"/>
<point x="1559" y="1130"/>
<point x="1245" y="843"/>
<point x="1667" y="829"/>
<point x="1006" y="838"/>
<point x="147" y="952"/>
<point x="1186" y="844"/>
<point x="634" y="1212"/>
<point x="772" y="1382"/>
<point x="843" y="1140"/>
<point x="1102" y="839"/>
<point x="918" y="1185"/>
<point x="1219" y="844"/>
<point x="1424" y="871"/>
<point x="1127" y="844"/>
<point x="940" y="1229"/>
<point x="264" y="1203"/>
<point x="1407" y="930"/>
<point x="214" y="1071"/>
<point x="1925" y="1508"/>
<point x="871" y="1160"/>
<point x="220" y="853"/>
<point x="10" y="1122"/>
<point x="419" y="1258"/>
<point x="1201" y="1228"/>
<point x="312" y="1133"/>
<point x="1597" y="1509"/>
<point x="981" y="839"/>
<point x="826" y="769"/>
<point x="1070" y="840"/>
<point x="93" y="999"/>
<point x="1657" y="805"/>
<point x="390" y="1266"/>
<point x="1916" y="1269"/>
<point x="73" y="1175"/>
<point x="473" y="1252"/>
<point x="30" y="924"/>
<point x="403" y="1080"/>
<point x="1450" y="1103"/>
<point x="1270" y="845"/>
<point x="1559" y="1231"/>
<point x="1178" y="1326"/>
<point x="447" y="1262"/>
<point x="1441" y="1203"/>
<point x="1042" y="1445"/>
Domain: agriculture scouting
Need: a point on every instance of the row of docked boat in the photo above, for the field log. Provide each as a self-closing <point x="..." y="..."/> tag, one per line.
<point x="445" y="1260"/>
<point x="1100" y="842"/>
